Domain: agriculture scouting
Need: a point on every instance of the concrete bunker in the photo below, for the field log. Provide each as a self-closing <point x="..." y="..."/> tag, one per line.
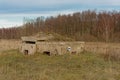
<point x="28" y="46"/>
<point x="31" y="45"/>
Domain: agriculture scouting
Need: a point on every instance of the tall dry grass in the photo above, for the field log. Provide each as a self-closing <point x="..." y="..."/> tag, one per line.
<point x="111" y="55"/>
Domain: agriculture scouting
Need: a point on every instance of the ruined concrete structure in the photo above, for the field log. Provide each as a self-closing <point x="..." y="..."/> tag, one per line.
<point x="43" y="44"/>
<point x="31" y="45"/>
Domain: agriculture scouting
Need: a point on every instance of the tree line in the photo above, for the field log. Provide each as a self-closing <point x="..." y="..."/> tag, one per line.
<point x="81" y="26"/>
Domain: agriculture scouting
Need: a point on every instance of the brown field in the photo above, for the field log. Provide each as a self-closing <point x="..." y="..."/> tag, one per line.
<point x="88" y="65"/>
<point x="100" y="47"/>
<point x="95" y="47"/>
<point x="85" y="66"/>
<point x="9" y="44"/>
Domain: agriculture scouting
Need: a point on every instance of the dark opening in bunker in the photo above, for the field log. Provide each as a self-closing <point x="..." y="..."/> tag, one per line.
<point x="46" y="52"/>
<point x="26" y="52"/>
<point x="30" y="42"/>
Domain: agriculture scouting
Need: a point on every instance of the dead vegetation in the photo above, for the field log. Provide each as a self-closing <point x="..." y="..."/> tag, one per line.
<point x="111" y="55"/>
<point x="9" y="44"/>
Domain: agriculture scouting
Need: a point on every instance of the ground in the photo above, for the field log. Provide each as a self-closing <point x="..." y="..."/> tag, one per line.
<point x="85" y="66"/>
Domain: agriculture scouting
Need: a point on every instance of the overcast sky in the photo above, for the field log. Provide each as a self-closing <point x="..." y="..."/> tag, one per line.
<point x="13" y="11"/>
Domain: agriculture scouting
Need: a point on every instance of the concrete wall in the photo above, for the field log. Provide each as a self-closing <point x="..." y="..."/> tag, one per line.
<point x="28" y="49"/>
<point x="60" y="47"/>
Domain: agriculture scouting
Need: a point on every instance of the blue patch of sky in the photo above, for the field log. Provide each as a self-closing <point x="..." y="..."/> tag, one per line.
<point x="77" y="7"/>
<point x="7" y="8"/>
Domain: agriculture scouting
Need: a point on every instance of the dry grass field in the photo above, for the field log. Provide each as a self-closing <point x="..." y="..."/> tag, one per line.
<point x="9" y="44"/>
<point x="102" y="47"/>
<point x="85" y="66"/>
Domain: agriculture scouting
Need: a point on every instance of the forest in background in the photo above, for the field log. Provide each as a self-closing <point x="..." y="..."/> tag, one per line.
<point x="81" y="26"/>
